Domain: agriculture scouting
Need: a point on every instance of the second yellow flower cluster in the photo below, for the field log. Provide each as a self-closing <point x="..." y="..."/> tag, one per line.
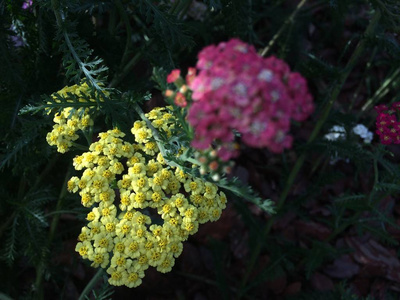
<point x="70" y="120"/>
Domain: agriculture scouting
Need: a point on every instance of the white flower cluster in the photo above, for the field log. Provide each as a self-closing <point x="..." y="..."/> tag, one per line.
<point x="364" y="133"/>
<point x="338" y="132"/>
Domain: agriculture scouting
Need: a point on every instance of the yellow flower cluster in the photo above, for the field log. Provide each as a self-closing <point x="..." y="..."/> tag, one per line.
<point x="142" y="209"/>
<point x="69" y="120"/>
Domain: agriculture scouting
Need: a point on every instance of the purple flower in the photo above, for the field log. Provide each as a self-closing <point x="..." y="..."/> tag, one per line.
<point x="27" y="4"/>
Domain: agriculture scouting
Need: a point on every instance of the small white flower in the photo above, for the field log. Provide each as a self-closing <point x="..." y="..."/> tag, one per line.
<point x="336" y="132"/>
<point x="216" y="83"/>
<point x="265" y="75"/>
<point x="363" y="132"/>
<point x="240" y="89"/>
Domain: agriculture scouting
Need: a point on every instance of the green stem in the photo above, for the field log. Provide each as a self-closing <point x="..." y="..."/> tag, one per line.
<point x="119" y="77"/>
<point x="361" y="84"/>
<point x="5" y="225"/>
<point x="44" y="173"/>
<point x="174" y="6"/>
<point x="382" y="91"/>
<point x="91" y="284"/>
<point x="128" y="26"/>
<point x="79" y="146"/>
<point x="21" y="188"/>
<point x="385" y="9"/>
<point x="60" y="23"/>
<point x="88" y="134"/>
<point x="53" y="226"/>
<point x="59" y="212"/>
<point x="283" y="27"/>
<point x="300" y="161"/>
<point x="112" y="22"/>
<point x="82" y="65"/>
<point x="376" y="174"/>
<point x="185" y="9"/>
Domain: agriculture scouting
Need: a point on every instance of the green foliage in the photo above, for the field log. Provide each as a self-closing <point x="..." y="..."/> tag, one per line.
<point x="124" y="51"/>
<point x="78" y="56"/>
<point x="314" y="65"/>
<point x="241" y="18"/>
<point x="164" y="24"/>
<point x="341" y="292"/>
<point x="243" y="191"/>
<point x="25" y="230"/>
<point x="104" y="293"/>
<point x="320" y="252"/>
<point x="390" y="10"/>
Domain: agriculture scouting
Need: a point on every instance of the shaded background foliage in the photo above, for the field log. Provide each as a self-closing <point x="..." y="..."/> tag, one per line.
<point x="337" y="234"/>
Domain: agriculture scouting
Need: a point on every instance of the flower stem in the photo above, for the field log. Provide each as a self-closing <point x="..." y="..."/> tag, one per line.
<point x="91" y="284"/>
<point x="82" y="66"/>
<point x="300" y="161"/>
<point x="80" y="147"/>
<point x="119" y="77"/>
<point x="283" y="27"/>
<point x="382" y="91"/>
<point x="128" y="26"/>
<point x="53" y="226"/>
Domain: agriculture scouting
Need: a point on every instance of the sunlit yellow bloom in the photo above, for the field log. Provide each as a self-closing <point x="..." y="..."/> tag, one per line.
<point x="120" y="181"/>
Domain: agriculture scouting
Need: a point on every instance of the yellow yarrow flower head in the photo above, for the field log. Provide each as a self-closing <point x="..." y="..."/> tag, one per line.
<point x="120" y="180"/>
<point x="70" y="120"/>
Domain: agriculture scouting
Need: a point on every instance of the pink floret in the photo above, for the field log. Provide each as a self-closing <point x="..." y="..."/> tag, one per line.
<point x="387" y="124"/>
<point x="173" y="76"/>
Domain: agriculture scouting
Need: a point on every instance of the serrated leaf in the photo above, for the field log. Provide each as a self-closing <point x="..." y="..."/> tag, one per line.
<point x="167" y="26"/>
<point x="236" y="187"/>
<point x="385" y="186"/>
<point x="9" y="248"/>
<point x="315" y="65"/>
<point x="351" y="201"/>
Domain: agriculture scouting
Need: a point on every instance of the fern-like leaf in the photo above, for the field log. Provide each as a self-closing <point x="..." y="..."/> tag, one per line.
<point x="9" y="250"/>
<point x="379" y="233"/>
<point x="166" y="25"/>
<point x="355" y="201"/>
<point x="314" y="66"/>
<point x="241" y="190"/>
<point x="92" y="6"/>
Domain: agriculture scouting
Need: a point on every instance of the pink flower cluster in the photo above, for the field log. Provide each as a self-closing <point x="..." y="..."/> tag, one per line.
<point x="387" y="124"/>
<point x="237" y="89"/>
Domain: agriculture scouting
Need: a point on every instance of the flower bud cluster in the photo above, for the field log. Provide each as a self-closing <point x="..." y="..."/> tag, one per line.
<point x="181" y="96"/>
<point x="387" y="124"/>
<point x="69" y="120"/>
<point x="212" y="164"/>
<point x="141" y="208"/>
<point x="236" y="89"/>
